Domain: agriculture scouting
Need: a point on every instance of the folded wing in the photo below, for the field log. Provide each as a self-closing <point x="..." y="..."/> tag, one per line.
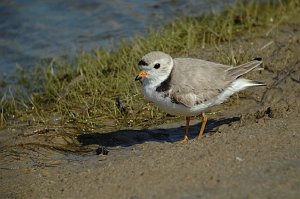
<point x="197" y="81"/>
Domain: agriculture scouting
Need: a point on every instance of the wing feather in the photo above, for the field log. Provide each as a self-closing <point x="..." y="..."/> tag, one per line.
<point x="196" y="81"/>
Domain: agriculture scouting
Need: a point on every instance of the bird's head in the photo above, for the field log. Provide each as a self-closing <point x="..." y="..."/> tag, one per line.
<point x="156" y="66"/>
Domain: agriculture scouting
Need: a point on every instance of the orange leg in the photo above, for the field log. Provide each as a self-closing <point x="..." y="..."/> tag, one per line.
<point x="204" y="120"/>
<point x="186" y="135"/>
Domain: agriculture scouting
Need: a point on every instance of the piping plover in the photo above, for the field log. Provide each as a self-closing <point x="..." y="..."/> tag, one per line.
<point x="188" y="87"/>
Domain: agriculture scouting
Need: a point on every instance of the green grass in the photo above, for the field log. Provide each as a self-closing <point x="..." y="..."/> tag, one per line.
<point x="83" y="92"/>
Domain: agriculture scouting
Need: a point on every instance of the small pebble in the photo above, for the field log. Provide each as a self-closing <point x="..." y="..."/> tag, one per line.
<point x="102" y="150"/>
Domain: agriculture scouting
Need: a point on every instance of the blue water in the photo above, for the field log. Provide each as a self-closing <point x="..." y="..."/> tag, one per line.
<point x="31" y="30"/>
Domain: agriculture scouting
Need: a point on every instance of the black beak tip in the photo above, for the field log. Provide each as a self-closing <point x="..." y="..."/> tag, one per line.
<point x="137" y="78"/>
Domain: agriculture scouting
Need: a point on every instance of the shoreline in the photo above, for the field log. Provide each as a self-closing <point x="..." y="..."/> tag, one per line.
<point x="84" y="92"/>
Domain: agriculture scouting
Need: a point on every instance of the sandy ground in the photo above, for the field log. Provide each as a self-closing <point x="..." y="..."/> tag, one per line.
<point x="251" y="147"/>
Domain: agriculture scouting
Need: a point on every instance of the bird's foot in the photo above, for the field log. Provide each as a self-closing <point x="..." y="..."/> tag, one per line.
<point x="199" y="138"/>
<point x="184" y="139"/>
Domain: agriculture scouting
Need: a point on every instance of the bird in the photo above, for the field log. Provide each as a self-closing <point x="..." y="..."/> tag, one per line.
<point x="190" y="86"/>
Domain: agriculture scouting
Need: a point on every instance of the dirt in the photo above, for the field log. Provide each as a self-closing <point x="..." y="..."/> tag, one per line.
<point x="250" y="149"/>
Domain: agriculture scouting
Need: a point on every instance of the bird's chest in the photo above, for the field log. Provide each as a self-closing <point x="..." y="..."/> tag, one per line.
<point x="163" y="101"/>
<point x="159" y="98"/>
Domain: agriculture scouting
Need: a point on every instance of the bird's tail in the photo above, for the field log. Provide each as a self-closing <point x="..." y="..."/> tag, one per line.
<point x="235" y="72"/>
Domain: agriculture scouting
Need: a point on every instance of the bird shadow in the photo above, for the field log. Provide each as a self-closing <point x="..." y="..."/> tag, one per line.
<point x="126" y="138"/>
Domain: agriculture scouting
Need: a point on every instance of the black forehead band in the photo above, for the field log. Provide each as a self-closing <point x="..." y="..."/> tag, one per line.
<point x="142" y="63"/>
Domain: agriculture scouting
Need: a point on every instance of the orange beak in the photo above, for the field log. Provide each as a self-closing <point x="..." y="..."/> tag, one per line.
<point x="142" y="74"/>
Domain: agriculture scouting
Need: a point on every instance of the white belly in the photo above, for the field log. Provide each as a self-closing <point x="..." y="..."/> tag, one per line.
<point x="168" y="106"/>
<point x="165" y="104"/>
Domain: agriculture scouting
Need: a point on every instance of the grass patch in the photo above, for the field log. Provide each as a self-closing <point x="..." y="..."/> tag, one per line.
<point x="97" y="89"/>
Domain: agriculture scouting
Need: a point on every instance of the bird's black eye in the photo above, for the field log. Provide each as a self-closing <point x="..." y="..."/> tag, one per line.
<point x="142" y="63"/>
<point x="156" y="66"/>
